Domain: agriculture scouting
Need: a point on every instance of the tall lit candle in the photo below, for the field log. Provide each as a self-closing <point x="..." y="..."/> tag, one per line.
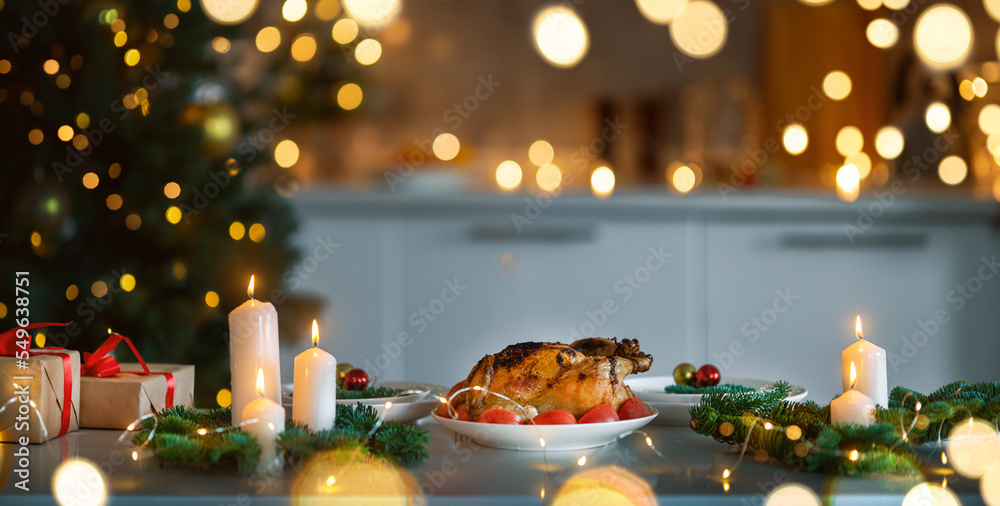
<point x="253" y="347"/>
<point x="268" y="421"/>
<point x="314" y="400"/>
<point x="872" y="379"/>
<point x="852" y="406"/>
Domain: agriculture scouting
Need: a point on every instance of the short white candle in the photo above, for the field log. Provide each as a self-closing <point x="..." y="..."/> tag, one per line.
<point x="253" y="346"/>
<point x="872" y="379"/>
<point x="314" y="399"/>
<point x="269" y="421"/>
<point x="852" y="407"/>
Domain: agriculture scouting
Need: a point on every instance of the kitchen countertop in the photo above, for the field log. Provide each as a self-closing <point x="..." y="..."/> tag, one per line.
<point x="463" y="473"/>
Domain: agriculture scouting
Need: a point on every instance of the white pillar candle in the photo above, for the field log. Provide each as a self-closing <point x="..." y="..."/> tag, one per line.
<point x="268" y="421"/>
<point x="253" y="346"/>
<point x="314" y="398"/>
<point x="872" y="379"/>
<point x="852" y="407"/>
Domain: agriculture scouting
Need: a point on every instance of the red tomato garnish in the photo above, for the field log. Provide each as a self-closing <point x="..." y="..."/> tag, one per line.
<point x="602" y="413"/>
<point x="553" y="417"/>
<point x="634" y="408"/>
<point x="462" y="413"/>
<point x="497" y="415"/>
<point x="442" y="410"/>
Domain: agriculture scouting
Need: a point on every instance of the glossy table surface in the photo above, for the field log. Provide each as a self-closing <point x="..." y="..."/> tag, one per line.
<point x="688" y="471"/>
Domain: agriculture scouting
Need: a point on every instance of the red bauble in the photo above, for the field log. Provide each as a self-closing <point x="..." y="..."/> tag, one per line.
<point x="707" y="376"/>
<point x="356" y="379"/>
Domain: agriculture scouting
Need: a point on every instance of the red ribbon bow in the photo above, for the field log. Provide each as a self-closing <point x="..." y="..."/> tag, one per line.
<point x="100" y="364"/>
<point x="8" y="348"/>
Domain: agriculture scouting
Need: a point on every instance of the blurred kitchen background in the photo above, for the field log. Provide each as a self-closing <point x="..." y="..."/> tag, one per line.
<point x="728" y="181"/>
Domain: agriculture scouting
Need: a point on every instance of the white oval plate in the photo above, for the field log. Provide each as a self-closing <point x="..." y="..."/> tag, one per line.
<point x="557" y="437"/>
<point x="405" y="408"/>
<point x="673" y="408"/>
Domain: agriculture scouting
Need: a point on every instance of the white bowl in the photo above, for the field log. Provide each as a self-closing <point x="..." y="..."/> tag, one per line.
<point x="673" y="408"/>
<point x="405" y="408"/>
<point x="557" y="437"/>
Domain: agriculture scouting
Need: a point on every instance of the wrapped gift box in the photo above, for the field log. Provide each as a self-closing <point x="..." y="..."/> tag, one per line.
<point x="52" y="405"/>
<point x="113" y="402"/>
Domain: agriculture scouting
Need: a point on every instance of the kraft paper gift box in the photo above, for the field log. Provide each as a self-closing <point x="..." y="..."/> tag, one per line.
<point x="50" y="404"/>
<point x="113" y="402"/>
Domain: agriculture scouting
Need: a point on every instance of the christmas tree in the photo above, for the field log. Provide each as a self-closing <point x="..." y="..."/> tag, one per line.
<point x="138" y="188"/>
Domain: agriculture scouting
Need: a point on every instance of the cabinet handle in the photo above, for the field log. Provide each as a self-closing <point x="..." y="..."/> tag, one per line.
<point x="884" y="240"/>
<point x="505" y="232"/>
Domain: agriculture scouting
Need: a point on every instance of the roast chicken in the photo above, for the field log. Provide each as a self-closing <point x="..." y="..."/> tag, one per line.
<point x="537" y="377"/>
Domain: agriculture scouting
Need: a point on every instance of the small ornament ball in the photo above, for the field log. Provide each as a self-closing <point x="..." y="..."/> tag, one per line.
<point x="356" y="380"/>
<point x="342" y="370"/>
<point x="707" y="376"/>
<point x="684" y="374"/>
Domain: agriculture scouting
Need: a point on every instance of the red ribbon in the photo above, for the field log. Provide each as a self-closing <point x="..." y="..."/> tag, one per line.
<point x="100" y="364"/>
<point x="8" y="347"/>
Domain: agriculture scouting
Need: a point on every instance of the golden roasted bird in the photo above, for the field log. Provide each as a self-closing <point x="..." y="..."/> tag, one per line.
<point x="542" y="376"/>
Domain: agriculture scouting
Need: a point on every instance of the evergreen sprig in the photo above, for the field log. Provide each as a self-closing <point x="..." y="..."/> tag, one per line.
<point x="725" y="388"/>
<point x="176" y="440"/>
<point x="368" y="393"/>
<point x="800" y="434"/>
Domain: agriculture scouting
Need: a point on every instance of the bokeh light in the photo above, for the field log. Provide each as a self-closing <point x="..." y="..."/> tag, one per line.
<point x="211" y="299"/>
<point x="795" y="139"/>
<point x="133" y="221"/>
<point x="792" y="494"/>
<point x="943" y="36"/>
<point x="79" y="482"/>
<point x="327" y="10"/>
<point x="541" y="152"/>
<point x="257" y="232"/>
<point x="268" y="39"/>
<point x="980" y="87"/>
<point x="304" y="47"/>
<point x="889" y="142"/>
<point x="509" y="174"/>
<point x="849" y="140"/>
<point x="368" y="51"/>
<point x="128" y="282"/>
<point x="560" y="36"/>
<point x="848" y="178"/>
<point x="952" y="170"/>
<point x="286" y="153"/>
<point x="869" y="5"/>
<point x="372" y="12"/>
<point x="221" y="45"/>
<point x="927" y="494"/>
<point x="660" y="11"/>
<point x="171" y="190"/>
<point x="548" y="177"/>
<point x="349" y="96"/>
<point x="699" y="29"/>
<point x="91" y="180"/>
<point x="882" y="33"/>
<point x="895" y="4"/>
<point x="989" y="119"/>
<point x="860" y="161"/>
<point x="114" y="170"/>
<point x="114" y="202"/>
<point x="72" y="291"/>
<point x="224" y="398"/>
<point x="937" y="117"/>
<point x="446" y="146"/>
<point x="132" y="57"/>
<point x="294" y="10"/>
<point x="602" y="182"/>
<point x="50" y="67"/>
<point x="174" y="215"/>
<point x="65" y="133"/>
<point x="344" y="31"/>
<point x="99" y="289"/>
<point x="989" y="485"/>
<point x="236" y="230"/>
<point x="228" y="12"/>
<point x="837" y="85"/>
<point x="973" y="447"/>
<point x="35" y="136"/>
<point x="605" y="485"/>
<point x="684" y="178"/>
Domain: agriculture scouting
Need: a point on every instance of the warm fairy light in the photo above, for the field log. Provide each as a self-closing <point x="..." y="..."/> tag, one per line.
<point x="388" y="405"/>
<point x="327" y="10"/>
<point x="91" y="180"/>
<point x="849" y="140"/>
<point x="256" y="232"/>
<point x="895" y="4"/>
<point x="446" y="146"/>
<point x="869" y="5"/>
<point x="304" y="47"/>
<point x="726" y="473"/>
<point x="268" y="39"/>
<point x="768" y="426"/>
<point x="792" y="493"/>
<point x="943" y="36"/>
<point x="689" y="29"/>
<point x="171" y="190"/>
<point x="541" y="442"/>
<point x="860" y="161"/>
<point x="918" y="406"/>
<point x="989" y="485"/>
<point x="368" y="51"/>
<point x="548" y="177"/>
<point x="50" y="67"/>
<point x="174" y="215"/>
<point x="35" y="136"/>
<point x="993" y="8"/>
<point x="937" y="117"/>
<point x="236" y="230"/>
<point x="854" y="375"/>
<point x="602" y="182"/>
<point x="854" y="453"/>
<point x="65" y="133"/>
<point x="925" y="494"/>
<point x="952" y="170"/>
<point x="889" y="142"/>
<point x="973" y="447"/>
<point x="965" y="90"/>
<point x="224" y="398"/>
<point x="294" y="10"/>
<point x="221" y="45"/>
<point x="345" y="31"/>
<point x="80" y="142"/>
<point x="228" y="12"/>
<point x="127" y="282"/>
<point x="837" y="85"/>
<point x="793" y="432"/>
<point x="660" y="11"/>
<point x="684" y="179"/>
<point x="250" y="288"/>
<point x="315" y="334"/>
<point x="135" y="455"/>
<point x="72" y="291"/>
<point x="560" y="36"/>
<point x="260" y="377"/>
<point x="202" y="431"/>
<point x="132" y="57"/>
<point x="581" y="461"/>
<point x="541" y="152"/>
<point x="171" y="21"/>
<point x="349" y="96"/>
<point x="373" y="12"/>
<point x="508" y="174"/>
<point x="270" y="425"/>
<point x="882" y="33"/>
<point x="211" y="299"/>
<point x="979" y="87"/>
<point x="79" y="481"/>
<point x="286" y="153"/>
<point x="795" y="139"/>
<point x="649" y="442"/>
<point x="725" y="486"/>
<point x="36" y="239"/>
<point x="989" y="119"/>
<point x="331" y="481"/>
<point x="944" y="459"/>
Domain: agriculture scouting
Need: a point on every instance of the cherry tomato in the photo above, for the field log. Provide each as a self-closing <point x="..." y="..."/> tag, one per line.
<point x="634" y="408"/>
<point x="442" y="410"/>
<point x="462" y="413"/>
<point x="553" y="417"/>
<point x="497" y="415"/>
<point x="602" y="413"/>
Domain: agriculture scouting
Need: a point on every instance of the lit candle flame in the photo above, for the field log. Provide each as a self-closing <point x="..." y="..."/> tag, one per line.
<point x="315" y="334"/>
<point x="857" y="328"/>
<point x="260" y="382"/>
<point x="250" y="288"/>
<point x="854" y="376"/>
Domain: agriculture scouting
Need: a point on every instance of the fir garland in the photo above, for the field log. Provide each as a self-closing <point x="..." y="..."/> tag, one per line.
<point x="368" y="393"/>
<point x="727" y="388"/>
<point x="183" y="437"/>
<point x="801" y="435"/>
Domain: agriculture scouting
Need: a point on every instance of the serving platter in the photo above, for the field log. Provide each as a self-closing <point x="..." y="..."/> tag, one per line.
<point x="556" y="437"/>
<point x="673" y="408"/>
<point x="408" y="407"/>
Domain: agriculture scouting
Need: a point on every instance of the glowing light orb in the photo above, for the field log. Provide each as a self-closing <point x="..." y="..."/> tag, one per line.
<point x="937" y="117"/>
<point x="446" y="147"/>
<point x="294" y="10"/>
<point x="795" y="139"/>
<point x="926" y="494"/>
<point x="602" y="182"/>
<point x="848" y="178"/>
<point x="548" y="177"/>
<point x="849" y="140"/>
<point x="952" y="171"/>
<point x="699" y="29"/>
<point x="989" y="119"/>
<point x="344" y="31"/>
<point x="943" y="36"/>
<point x="792" y="494"/>
<point x="228" y="12"/>
<point x="268" y="39"/>
<point x="862" y="162"/>
<point x="373" y="12"/>
<point x="509" y="175"/>
<point x="660" y="12"/>
<point x="973" y="447"/>
<point x="286" y="153"/>
<point x="684" y="178"/>
<point x="560" y="36"/>
<point x="837" y="85"/>
<point x="79" y="482"/>
<point x="541" y="153"/>
<point x="882" y="33"/>
<point x="889" y="142"/>
<point x="368" y="51"/>
<point x="349" y="96"/>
